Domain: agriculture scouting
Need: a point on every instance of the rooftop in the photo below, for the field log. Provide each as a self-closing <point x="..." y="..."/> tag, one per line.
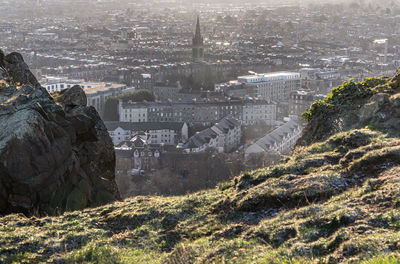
<point x="144" y="126"/>
<point x="269" y="77"/>
<point x="276" y="136"/>
<point x="100" y="87"/>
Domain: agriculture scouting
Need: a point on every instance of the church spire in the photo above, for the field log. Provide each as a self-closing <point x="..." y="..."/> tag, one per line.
<point x="198" y="44"/>
<point x="197" y="35"/>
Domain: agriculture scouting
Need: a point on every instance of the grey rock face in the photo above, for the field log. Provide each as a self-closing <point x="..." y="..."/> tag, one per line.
<point x="55" y="154"/>
<point x="1" y="58"/>
<point x="18" y="70"/>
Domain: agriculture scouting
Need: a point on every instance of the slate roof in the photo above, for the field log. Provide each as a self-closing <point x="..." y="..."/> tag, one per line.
<point x="277" y="135"/>
<point x="227" y="123"/>
<point x="206" y="135"/>
<point x="130" y="145"/>
<point x="200" y="139"/>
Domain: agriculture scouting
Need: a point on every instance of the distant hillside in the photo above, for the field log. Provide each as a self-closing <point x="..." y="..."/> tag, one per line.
<point x="337" y="199"/>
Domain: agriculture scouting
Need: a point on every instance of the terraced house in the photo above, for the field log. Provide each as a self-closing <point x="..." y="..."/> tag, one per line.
<point x="280" y="140"/>
<point x="224" y="137"/>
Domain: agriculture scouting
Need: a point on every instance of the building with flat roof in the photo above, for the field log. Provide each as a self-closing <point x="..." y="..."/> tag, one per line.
<point x="96" y="92"/>
<point x="275" y="86"/>
<point x="269" y="77"/>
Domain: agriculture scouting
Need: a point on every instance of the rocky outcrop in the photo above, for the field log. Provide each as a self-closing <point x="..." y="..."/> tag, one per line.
<point x="1" y="58"/>
<point x="18" y="70"/>
<point x="354" y="105"/>
<point x="55" y="153"/>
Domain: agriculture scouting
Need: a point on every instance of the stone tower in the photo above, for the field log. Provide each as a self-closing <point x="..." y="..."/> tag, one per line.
<point x="198" y="44"/>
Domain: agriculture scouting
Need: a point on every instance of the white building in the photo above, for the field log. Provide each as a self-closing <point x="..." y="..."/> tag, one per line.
<point x="314" y="74"/>
<point x="134" y="113"/>
<point x="271" y="86"/>
<point x="280" y="140"/>
<point x="229" y="133"/>
<point x="57" y="84"/>
<point x="167" y="133"/>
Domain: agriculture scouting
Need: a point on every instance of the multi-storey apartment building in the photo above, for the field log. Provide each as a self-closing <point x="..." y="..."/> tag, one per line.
<point x="133" y="112"/>
<point x="97" y="94"/>
<point x="166" y="92"/>
<point x="271" y="86"/>
<point x="253" y="112"/>
<point x="248" y="112"/>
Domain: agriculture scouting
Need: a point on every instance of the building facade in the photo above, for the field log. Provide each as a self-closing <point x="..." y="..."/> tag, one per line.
<point x="134" y="113"/>
<point x="167" y="133"/>
<point x="97" y="94"/>
<point x="248" y="112"/>
<point x="275" y="86"/>
<point x="138" y="154"/>
<point x="165" y="93"/>
<point x="255" y="113"/>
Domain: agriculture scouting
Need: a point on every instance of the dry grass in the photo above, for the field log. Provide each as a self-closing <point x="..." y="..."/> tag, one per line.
<point x="320" y="206"/>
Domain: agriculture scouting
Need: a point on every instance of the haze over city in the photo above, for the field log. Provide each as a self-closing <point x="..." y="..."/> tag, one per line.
<point x="199" y="131"/>
<point x="167" y="74"/>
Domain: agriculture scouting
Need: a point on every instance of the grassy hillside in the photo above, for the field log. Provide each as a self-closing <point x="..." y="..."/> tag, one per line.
<point x="334" y="201"/>
<point x="337" y="199"/>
